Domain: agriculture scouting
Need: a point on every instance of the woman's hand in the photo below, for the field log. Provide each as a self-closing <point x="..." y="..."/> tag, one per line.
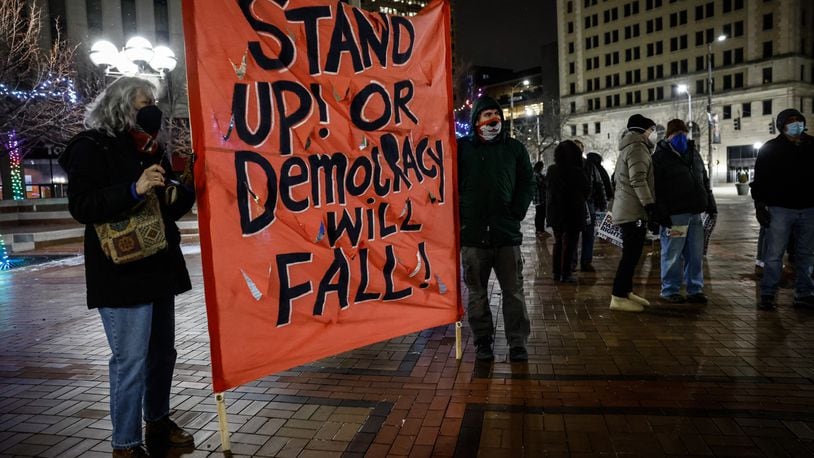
<point x="151" y="177"/>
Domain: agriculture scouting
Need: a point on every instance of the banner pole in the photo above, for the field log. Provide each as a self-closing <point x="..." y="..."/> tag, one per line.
<point x="459" y="349"/>
<point x="223" y="423"/>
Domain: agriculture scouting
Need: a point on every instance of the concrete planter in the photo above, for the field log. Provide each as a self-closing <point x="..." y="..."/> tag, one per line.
<point x="743" y="189"/>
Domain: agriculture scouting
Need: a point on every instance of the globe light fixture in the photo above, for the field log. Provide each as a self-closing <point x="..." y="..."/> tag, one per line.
<point x="137" y="58"/>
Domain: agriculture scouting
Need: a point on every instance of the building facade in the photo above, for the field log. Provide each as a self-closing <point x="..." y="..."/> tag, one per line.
<point x="619" y="57"/>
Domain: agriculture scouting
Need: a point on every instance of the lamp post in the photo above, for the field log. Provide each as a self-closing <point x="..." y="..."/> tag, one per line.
<point x="709" y="108"/>
<point x="137" y="58"/>
<point x="683" y="88"/>
<point x="511" y="104"/>
<point x="536" y="113"/>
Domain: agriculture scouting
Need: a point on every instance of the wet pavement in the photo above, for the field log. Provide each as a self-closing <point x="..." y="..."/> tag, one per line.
<point x="720" y="380"/>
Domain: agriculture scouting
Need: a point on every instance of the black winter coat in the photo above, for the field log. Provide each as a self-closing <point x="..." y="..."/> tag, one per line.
<point x="681" y="181"/>
<point x="100" y="174"/>
<point x="568" y="189"/>
<point x="783" y="172"/>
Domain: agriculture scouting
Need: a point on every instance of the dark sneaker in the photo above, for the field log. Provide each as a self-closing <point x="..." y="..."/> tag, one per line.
<point x="132" y="452"/>
<point x="766" y="303"/>
<point x="697" y="298"/>
<point x="805" y="301"/>
<point x="674" y="299"/>
<point x="518" y="354"/>
<point x="568" y="279"/>
<point x="483" y="349"/>
<point x="587" y="268"/>
<point x="164" y="433"/>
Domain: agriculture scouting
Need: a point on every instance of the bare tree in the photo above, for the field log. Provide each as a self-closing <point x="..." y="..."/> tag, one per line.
<point x="39" y="100"/>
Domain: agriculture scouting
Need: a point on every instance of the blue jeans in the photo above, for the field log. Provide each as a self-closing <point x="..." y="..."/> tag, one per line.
<point x="142" y="340"/>
<point x="683" y="257"/>
<point x="783" y="221"/>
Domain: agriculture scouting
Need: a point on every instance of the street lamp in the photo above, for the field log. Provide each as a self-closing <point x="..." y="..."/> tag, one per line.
<point x="683" y="88"/>
<point x="524" y="83"/>
<point x="536" y="114"/>
<point x="137" y="58"/>
<point x="709" y="107"/>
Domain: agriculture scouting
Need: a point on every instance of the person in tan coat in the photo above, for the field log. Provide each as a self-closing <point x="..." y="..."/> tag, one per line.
<point x="634" y="208"/>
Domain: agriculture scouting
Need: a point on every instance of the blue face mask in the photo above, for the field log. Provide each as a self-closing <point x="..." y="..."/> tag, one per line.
<point x="794" y="129"/>
<point x="679" y="142"/>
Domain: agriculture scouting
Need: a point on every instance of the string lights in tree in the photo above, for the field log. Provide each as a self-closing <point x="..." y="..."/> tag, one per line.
<point x="15" y="165"/>
<point x="52" y="88"/>
<point x="5" y="262"/>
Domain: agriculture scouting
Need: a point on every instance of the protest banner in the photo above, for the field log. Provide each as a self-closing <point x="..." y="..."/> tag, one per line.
<point x="326" y="178"/>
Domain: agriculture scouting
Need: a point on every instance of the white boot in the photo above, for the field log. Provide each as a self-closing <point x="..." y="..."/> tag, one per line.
<point x="638" y="299"/>
<point x="624" y="304"/>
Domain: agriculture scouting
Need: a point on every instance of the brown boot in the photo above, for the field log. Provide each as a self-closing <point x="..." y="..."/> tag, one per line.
<point x="164" y="434"/>
<point x="132" y="452"/>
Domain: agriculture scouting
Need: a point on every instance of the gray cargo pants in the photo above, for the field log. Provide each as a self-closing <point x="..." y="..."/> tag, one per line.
<point x="507" y="263"/>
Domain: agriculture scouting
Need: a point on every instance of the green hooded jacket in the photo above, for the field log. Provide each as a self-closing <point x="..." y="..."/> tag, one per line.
<point x="495" y="185"/>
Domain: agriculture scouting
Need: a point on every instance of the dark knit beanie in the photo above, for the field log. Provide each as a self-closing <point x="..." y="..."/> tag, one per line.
<point x="675" y="125"/>
<point x="783" y="116"/>
<point x="639" y="122"/>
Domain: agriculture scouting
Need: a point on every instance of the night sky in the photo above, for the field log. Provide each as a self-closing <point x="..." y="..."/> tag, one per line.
<point x="506" y="33"/>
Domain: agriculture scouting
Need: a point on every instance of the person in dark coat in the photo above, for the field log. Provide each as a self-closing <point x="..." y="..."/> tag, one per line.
<point x="112" y="167"/>
<point x="568" y="189"/>
<point x="495" y="183"/>
<point x="597" y="202"/>
<point x="539" y="199"/>
<point x="682" y="194"/>
<point x="784" y="204"/>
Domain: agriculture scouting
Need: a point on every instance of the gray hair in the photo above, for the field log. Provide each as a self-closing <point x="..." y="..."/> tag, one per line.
<point x="113" y="109"/>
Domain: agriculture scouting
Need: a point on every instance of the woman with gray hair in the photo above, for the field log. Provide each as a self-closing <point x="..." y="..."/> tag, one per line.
<point x="112" y="168"/>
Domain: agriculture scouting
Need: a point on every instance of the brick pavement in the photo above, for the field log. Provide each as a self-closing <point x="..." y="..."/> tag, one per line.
<point x="724" y="380"/>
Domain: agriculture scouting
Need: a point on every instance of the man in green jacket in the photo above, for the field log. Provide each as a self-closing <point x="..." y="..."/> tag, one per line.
<point x="495" y="185"/>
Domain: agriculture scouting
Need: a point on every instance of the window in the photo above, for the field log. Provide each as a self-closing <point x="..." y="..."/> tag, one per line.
<point x="573" y="107"/>
<point x="585" y="129"/>
<point x="728" y="57"/>
<point x="571" y="68"/>
<point x="573" y="130"/>
<point x="767" y="49"/>
<point x="628" y="98"/>
<point x="162" y="21"/>
<point x="738" y="80"/>
<point x="699" y="63"/>
<point x="637" y="96"/>
<point x="768" y="21"/>
<point x="699" y="87"/>
<point x="597" y="128"/>
<point x="767" y="107"/>
<point x="573" y="88"/>
<point x="660" y="93"/>
<point x="746" y="110"/>
<point x="727" y="82"/>
<point x="571" y="48"/>
<point x="738" y="29"/>
<point x="727" y="111"/>
<point x="767" y="75"/>
<point x="738" y="56"/>
<point x="128" y="17"/>
<point x="569" y="7"/>
<point x="591" y="85"/>
<point x="94" y="8"/>
<point x="570" y="27"/>
<point x="590" y="105"/>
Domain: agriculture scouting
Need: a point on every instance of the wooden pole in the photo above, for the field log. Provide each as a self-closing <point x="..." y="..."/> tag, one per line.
<point x="459" y="348"/>
<point x="223" y="423"/>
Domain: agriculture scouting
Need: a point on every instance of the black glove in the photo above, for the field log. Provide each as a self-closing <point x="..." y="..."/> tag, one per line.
<point x="762" y="214"/>
<point x="652" y="218"/>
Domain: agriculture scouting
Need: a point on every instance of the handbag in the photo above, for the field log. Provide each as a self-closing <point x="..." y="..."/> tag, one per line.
<point x="135" y="234"/>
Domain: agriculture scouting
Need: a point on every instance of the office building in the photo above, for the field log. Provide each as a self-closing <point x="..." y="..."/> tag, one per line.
<point x="619" y="57"/>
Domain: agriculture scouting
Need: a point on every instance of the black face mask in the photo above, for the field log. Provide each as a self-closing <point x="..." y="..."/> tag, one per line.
<point x="149" y="119"/>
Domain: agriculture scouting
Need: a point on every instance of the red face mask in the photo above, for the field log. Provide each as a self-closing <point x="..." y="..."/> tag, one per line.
<point x="488" y="128"/>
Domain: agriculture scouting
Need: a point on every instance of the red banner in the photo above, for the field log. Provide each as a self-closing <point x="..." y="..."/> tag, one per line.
<point x="326" y="178"/>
